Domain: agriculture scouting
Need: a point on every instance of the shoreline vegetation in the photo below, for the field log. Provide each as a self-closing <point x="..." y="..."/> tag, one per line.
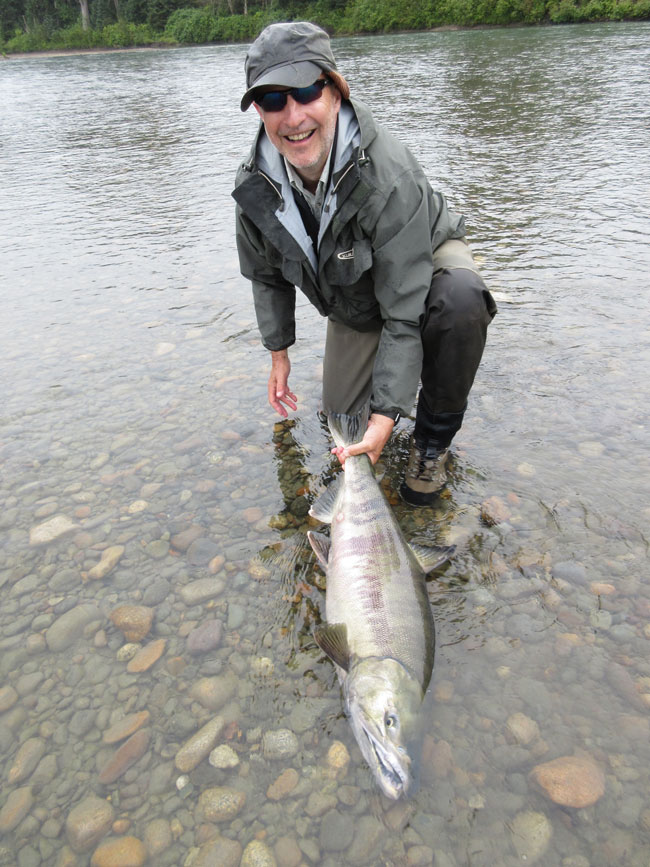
<point x="72" y="26"/>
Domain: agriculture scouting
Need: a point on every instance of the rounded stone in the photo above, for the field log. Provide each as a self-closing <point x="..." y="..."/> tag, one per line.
<point x="205" y="637"/>
<point x="258" y="854"/>
<point x="531" y="833"/>
<point x="279" y="744"/>
<point x="220" y="804"/>
<point x="199" y="746"/>
<point x="336" y="831"/>
<point x="157" y="837"/>
<point x="16" y="807"/>
<point x="88" y="822"/>
<point x="133" y="621"/>
<point x="223" y="757"/>
<point x="572" y="781"/>
<point x="120" y="852"/>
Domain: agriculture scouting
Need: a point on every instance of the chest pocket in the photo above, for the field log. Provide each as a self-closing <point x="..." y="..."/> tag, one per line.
<point x="347" y="263"/>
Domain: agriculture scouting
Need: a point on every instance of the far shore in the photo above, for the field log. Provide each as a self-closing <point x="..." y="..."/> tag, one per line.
<point x="67" y="52"/>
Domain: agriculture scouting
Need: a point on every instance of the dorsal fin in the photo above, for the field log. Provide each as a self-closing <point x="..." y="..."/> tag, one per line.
<point x="431" y="557"/>
<point x="333" y="640"/>
<point x="320" y="545"/>
<point x="323" y="508"/>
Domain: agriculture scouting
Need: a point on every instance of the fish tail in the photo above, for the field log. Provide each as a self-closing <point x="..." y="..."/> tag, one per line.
<point x="348" y="429"/>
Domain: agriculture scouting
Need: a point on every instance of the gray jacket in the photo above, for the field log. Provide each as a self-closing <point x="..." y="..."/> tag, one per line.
<point x="380" y="227"/>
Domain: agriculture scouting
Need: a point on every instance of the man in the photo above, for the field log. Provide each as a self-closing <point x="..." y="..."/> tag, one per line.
<point x="331" y="203"/>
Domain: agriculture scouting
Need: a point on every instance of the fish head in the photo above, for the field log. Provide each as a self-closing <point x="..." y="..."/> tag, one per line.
<point x="383" y="702"/>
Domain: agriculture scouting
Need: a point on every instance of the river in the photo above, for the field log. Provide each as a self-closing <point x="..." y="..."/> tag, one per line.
<point x="154" y="572"/>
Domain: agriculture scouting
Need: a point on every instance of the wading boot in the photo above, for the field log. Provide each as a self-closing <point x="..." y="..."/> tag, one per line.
<point x="426" y="474"/>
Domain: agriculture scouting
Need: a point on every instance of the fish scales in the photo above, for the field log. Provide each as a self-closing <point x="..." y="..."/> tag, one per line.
<point x="374" y="584"/>
<point x="379" y="628"/>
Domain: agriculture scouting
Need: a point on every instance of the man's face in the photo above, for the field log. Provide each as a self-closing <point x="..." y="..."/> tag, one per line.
<point x="304" y="133"/>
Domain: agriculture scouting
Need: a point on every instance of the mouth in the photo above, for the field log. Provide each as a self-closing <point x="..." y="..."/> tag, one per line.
<point x="395" y="781"/>
<point x="300" y="136"/>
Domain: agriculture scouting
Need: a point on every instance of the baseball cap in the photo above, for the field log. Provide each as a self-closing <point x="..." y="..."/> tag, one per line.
<point x="292" y="54"/>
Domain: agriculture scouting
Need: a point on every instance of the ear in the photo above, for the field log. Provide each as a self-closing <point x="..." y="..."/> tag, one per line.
<point x="258" y="110"/>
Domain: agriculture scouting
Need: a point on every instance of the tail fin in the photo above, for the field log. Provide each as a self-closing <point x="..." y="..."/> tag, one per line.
<point x="348" y="429"/>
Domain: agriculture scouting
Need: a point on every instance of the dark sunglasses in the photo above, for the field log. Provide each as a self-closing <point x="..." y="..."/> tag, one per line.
<point x="275" y="100"/>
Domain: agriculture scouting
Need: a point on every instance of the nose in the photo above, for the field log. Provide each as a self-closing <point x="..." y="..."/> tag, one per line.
<point x="294" y="112"/>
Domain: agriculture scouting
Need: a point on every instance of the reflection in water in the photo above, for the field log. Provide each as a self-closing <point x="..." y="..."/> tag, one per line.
<point x="136" y="446"/>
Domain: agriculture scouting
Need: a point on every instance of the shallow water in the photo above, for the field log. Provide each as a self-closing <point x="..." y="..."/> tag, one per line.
<point x="134" y="405"/>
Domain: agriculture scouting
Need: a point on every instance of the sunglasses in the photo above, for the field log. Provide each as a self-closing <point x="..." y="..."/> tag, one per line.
<point x="275" y="100"/>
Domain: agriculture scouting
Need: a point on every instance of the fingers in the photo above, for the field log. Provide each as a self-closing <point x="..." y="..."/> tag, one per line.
<point x="283" y="397"/>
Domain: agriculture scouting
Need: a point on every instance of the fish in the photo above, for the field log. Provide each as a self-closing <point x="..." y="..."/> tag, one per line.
<point x="378" y="628"/>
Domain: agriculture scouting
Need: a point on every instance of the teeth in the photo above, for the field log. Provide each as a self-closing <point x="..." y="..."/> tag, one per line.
<point x="299" y="136"/>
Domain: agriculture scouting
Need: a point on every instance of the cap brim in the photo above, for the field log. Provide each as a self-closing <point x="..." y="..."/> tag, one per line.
<point x="300" y="74"/>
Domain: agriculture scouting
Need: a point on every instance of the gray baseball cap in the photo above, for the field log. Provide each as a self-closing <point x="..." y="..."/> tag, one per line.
<point x="290" y="55"/>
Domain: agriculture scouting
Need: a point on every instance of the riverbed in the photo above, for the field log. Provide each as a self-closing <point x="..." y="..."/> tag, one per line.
<point x="161" y="698"/>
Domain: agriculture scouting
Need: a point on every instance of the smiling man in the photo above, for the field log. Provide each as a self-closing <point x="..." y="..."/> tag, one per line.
<point x="331" y="203"/>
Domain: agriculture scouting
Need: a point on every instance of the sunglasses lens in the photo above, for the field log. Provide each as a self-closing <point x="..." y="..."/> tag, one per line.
<point x="275" y="100"/>
<point x="305" y="95"/>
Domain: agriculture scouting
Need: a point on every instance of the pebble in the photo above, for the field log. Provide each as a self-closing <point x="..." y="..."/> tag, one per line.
<point x="258" y="854"/>
<point x="223" y="757"/>
<point x="336" y="831"/>
<point x="16" y="807"/>
<point x="51" y="530"/>
<point x="147" y="656"/>
<point x="287" y="852"/>
<point x="220" y="804"/>
<point x="157" y="837"/>
<point x="283" y="785"/>
<point x="201" y="590"/>
<point x="205" y="637"/>
<point x="221" y="851"/>
<point x="494" y="511"/>
<point x="108" y="561"/>
<point x="531" y="834"/>
<point x="70" y="626"/>
<point x="527" y="470"/>
<point x="522" y="728"/>
<point x="8" y="697"/>
<point x="88" y="822"/>
<point x="120" y="852"/>
<point x="338" y="757"/>
<point x="125" y="727"/>
<point x="28" y="756"/>
<point x="133" y="621"/>
<point x="199" y="746"/>
<point x="125" y="756"/>
<point x="201" y="552"/>
<point x="214" y="692"/>
<point x="572" y="781"/>
<point x="279" y="744"/>
<point x="591" y="449"/>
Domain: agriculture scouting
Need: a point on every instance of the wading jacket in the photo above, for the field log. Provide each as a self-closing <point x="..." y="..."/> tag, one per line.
<point x="372" y="268"/>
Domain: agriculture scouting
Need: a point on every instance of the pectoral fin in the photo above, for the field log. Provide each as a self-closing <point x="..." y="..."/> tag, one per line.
<point x="323" y="508"/>
<point x="321" y="546"/>
<point x="333" y="640"/>
<point x="430" y="557"/>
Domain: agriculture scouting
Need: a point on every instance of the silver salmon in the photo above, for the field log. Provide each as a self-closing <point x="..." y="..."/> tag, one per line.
<point x="379" y="628"/>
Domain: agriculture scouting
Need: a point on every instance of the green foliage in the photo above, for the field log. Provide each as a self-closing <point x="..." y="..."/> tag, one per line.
<point x="32" y="25"/>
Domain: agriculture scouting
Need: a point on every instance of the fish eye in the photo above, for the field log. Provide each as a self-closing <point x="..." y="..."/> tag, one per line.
<point x="390" y="721"/>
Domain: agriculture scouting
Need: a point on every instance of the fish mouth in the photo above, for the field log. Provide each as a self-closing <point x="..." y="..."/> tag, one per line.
<point x="394" y="780"/>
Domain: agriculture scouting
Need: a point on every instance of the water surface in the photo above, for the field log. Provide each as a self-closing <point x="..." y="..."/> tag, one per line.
<point x="134" y="405"/>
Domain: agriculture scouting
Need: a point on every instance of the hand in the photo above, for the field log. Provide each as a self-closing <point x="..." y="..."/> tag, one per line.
<point x="278" y="386"/>
<point x="375" y="438"/>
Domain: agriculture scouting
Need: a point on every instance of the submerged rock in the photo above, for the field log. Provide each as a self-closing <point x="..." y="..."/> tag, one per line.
<point x="531" y="833"/>
<point x="573" y="781"/>
<point x="88" y="822"/>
